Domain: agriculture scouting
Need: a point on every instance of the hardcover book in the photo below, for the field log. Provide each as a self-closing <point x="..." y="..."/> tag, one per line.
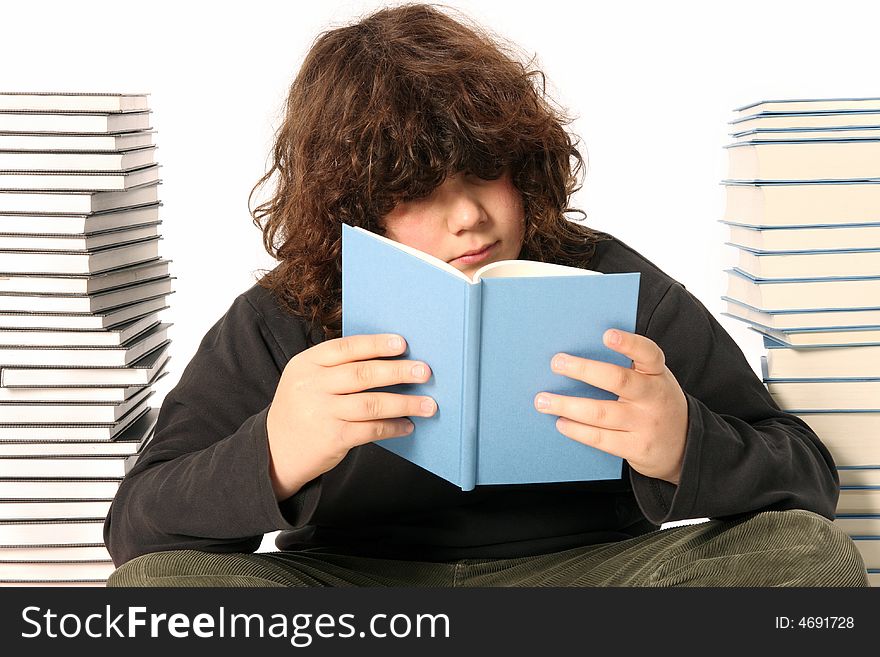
<point x="55" y="101"/>
<point x="107" y="238"/>
<point x="489" y="342"/>
<point x="843" y="237"/>
<point x="79" y="262"/>
<point x="78" y="224"/>
<point x="90" y="181"/>
<point x="76" y="202"/>
<point x="804" y="160"/>
<point x="84" y="283"/>
<point x="138" y="372"/>
<point x="71" y="321"/>
<point x="42" y="141"/>
<point x="93" y="122"/>
<point x="805" y="204"/>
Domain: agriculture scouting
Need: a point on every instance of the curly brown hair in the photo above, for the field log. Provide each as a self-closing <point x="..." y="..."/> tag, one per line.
<point x="382" y="111"/>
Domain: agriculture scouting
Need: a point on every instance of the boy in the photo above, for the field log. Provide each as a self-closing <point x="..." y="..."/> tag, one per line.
<point x="411" y="124"/>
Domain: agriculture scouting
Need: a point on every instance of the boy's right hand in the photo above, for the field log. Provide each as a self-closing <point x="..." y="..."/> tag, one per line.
<point x="321" y="408"/>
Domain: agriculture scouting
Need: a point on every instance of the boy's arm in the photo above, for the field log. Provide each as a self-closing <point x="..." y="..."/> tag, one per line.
<point x="203" y="480"/>
<point x="742" y="453"/>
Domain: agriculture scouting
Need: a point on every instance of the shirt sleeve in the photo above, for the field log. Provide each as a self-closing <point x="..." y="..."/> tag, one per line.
<point x="743" y="454"/>
<point x="203" y="481"/>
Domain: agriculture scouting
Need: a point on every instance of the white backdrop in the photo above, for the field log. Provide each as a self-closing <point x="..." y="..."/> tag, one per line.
<point x="652" y="84"/>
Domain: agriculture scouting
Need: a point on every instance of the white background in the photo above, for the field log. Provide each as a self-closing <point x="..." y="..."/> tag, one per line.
<point x="652" y="84"/>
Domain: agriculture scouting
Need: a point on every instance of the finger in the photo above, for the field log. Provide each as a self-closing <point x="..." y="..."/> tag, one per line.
<point x="357" y="347"/>
<point x="617" y="443"/>
<point x="366" y="406"/>
<point x="361" y="433"/>
<point x="621" y="381"/>
<point x="595" y="412"/>
<point x="366" y="374"/>
<point x="646" y="355"/>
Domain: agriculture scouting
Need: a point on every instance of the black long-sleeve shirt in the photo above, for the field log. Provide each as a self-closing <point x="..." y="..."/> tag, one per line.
<point x="203" y="481"/>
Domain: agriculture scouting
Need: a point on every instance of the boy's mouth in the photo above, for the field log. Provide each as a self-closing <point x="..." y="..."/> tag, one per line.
<point x="476" y="255"/>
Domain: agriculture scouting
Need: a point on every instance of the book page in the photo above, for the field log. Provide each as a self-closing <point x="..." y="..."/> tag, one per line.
<point x="527" y="269"/>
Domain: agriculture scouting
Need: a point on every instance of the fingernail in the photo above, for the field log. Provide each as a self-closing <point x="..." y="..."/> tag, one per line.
<point x="542" y="401"/>
<point x="559" y="362"/>
<point x="408" y="426"/>
<point x="613" y="337"/>
<point x="428" y="406"/>
<point x="395" y="343"/>
<point x="419" y="371"/>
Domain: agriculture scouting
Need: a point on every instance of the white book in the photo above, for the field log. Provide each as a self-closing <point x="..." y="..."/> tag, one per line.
<point x="814" y="264"/>
<point x="845" y="237"/>
<point x="62" y="101"/>
<point x="51" y="532"/>
<point x="801" y="204"/>
<point x="52" y="509"/>
<point x="858" y="524"/>
<point x="814" y="295"/>
<point x="79" y="181"/>
<point x="91" y="395"/>
<point x="139" y="372"/>
<point x="839" y="319"/>
<point x="821" y="363"/>
<point x="42" y="141"/>
<point x="128" y="442"/>
<point x="78" y="225"/>
<point x="785" y="134"/>
<point x="96" y="321"/>
<point x="84" y="283"/>
<point x="87" y="303"/>
<point x="826" y="395"/>
<point x="805" y="120"/>
<point x="92" y="432"/>
<point x="54" y="573"/>
<point x="77" y="202"/>
<point x="74" y="161"/>
<point x="804" y="160"/>
<point x="59" y="489"/>
<point x="96" y="122"/>
<point x="75" y="467"/>
<point x="809" y="105"/>
<point x="69" y="413"/>
<point x="79" y="262"/>
<point x="116" y="356"/>
<point x="845" y="337"/>
<point x="90" y="242"/>
<point x="65" y="553"/>
<point x="869" y="548"/>
<point x="106" y="338"/>
<point x="852" y="439"/>
<point x="861" y="475"/>
<point x="859" y="500"/>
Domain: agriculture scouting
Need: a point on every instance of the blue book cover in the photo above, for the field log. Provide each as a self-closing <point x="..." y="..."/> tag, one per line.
<point x="489" y="343"/>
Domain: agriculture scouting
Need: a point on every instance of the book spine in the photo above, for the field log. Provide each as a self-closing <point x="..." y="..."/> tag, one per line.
<point x="470" y="402"/>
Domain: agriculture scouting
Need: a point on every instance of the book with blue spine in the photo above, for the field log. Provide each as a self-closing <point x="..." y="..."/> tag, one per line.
<point x="488" y="342"/>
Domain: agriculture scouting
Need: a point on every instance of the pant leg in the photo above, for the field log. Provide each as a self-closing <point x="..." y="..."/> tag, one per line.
<point x="774" y="548"/>
<point x="191" y="568"/>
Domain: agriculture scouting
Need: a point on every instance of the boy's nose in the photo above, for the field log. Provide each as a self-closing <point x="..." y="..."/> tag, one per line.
<point x="465" y="213"/>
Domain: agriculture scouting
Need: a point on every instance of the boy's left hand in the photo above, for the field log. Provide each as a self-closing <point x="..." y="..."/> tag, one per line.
<point x="646" y="425"/>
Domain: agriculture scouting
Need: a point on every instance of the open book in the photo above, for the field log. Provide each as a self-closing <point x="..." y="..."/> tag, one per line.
<point x="488" y="342"/>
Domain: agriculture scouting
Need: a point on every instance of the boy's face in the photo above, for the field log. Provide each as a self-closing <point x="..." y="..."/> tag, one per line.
<point x="467" y="221"/>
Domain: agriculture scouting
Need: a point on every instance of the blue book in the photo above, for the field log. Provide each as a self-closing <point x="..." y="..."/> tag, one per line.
<point x="488" y="342"/>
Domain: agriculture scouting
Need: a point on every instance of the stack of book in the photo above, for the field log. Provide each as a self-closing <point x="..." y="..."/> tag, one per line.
<point x="803" y="221"/>
<point x="82" y="285"/>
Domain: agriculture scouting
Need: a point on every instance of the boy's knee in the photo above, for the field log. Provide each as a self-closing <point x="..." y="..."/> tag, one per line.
<point x="156" y="569"/>
<point x="827" y="553"/>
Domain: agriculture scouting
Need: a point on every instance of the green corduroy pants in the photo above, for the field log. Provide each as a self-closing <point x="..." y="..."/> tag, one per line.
<point x="773" y="548"/>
